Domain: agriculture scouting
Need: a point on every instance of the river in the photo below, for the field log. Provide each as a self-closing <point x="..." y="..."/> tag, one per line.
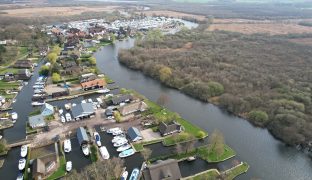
<point x="269" y="158"/>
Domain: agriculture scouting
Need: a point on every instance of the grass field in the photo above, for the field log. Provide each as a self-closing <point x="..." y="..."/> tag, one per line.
<point x="212" y="156"/>
<point x="61" y="171"/>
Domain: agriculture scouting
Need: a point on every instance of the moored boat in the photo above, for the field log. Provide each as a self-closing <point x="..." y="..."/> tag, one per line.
<point x="37" y="103"/>
<point x="120" y="142"/>
<point x="97" y="138"/>
<point x="103" y="90"/>
<point x="124" y="175"/>
<point x="111" y="130"/>
<point x="104" y="152"/>
<point x="123" y="147"/>
<point x="69" y="166"/>
<point x="135" y="174"/>
<point x="117" y="132"/>
<point x="126" y="153"/>
<point x="21" y="164"/>
<point x="24" y="151"/>
<point x="67" y="146"/>
<point x="85" y="149"/>
<point x="116" y="139"/>
<point x="14" y="116"/>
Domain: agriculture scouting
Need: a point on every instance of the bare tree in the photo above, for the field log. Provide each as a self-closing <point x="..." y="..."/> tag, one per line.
<point x="163" y="99"/>
<point x="178" y="148"/>
<point x="216" y="143"/>
<point x="189" y="146"/>
<point x="146" y="153"/>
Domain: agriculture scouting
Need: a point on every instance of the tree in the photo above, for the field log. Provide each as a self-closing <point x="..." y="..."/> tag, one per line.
<point x="215" y="88"/>
<point x="216" y="143"/>
<point x="163" y="99"/>
<point x="258" y="116"/>
<point x="3" y="146"/>
<point x="92" y="60"/>
<point x="117" y="116"/>
<point x="52" y="57"/>
<point x="189" y="146"/>
<point x="146" y="153"/>
<point x="165" y="73"/>
<point x="112" y="37"/>
<point x="200" y="134"/>
<point x="178" y="148"/>
<point x="155" y="35"/>
<point x="56" y="49"/>
<point x="44" y="70"/>
<point x="56" y="77"/>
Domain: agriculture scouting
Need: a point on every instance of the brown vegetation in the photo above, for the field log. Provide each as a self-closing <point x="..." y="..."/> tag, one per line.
<point x="174" y="14"/>
<point x="266" y="79"/>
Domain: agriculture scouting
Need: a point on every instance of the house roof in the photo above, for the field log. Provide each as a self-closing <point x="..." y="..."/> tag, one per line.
<point x="168" y="169"/>
<point x="83" y="108"/>
<point x="170" y="127"/>
<point x="108" y="112"/>
<point x="47" y="106"/>
<point x="23" y="71"/>
<point x="36" y="120"/>
<point x="82" y="135"/>
<point x="122" y="98"/>
<point x="38" y="167"/>
<point x="133" y="133"/>
<point x="95" y="82"/>
<point x="133" y="107"/>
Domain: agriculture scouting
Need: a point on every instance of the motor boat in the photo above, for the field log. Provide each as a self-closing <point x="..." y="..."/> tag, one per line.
<point x="37" y="91"/>
<point x="85" y="149"/>
<point x="123" y="147"/>
<point x="67" y="146"/>
<point x="60" y="111"/>
<point x="74" y="104"/>
<point x="99" y="100"/>
<point x="103" y="90"/>
<point x="14" y="116"/>
<point x="14" y="100"/>
<point x="97" y="138"/>
<point x="63" y="119"/>
<point x="124" y="175"/>
<point x="24" y="151"/>
<point x="69" y="166"/>
<point x="111" y="130"/>
<point x="90" y="100"/>
<point x="83" y="101"/>
<point x="117" y="132"/>
<point x="67" y="106"/>
<point x="118" y="138"/>
<point x="126" y="153"/>
<point x="68" y="117"/>
<point x="20" y="176"/>
<point x="104" y="153"/>
<point x="120" y="142"/>
<point x="37" y="103"/>
<point x="135" y="174"/>
<point x="21" y="164"/>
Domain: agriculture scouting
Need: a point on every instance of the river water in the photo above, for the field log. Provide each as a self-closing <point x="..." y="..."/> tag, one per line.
<point x="269" y="158"/>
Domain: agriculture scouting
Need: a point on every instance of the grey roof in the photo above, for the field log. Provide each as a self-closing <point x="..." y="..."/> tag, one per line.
<point x="168" y="128"/>
<point x="82" y="135"/>
<point x="168" y="169"/>
<point x="108" y="112"/>
<point x="122" y="98"/>
<point x="82" y="108"/>
<point x="36" y="120"/>
<point x="133" y="133"/>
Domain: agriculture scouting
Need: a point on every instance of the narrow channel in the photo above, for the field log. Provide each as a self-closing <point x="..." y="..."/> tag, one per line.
<point x="268" y="157"/>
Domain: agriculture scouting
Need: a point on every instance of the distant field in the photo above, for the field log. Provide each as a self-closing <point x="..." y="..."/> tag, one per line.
<point x="304" y="41"/>
<point x="55" y="11"/>
<point x="193" y="1"/>
<point x="252" y="26"/>
<point x="174" y="14"/>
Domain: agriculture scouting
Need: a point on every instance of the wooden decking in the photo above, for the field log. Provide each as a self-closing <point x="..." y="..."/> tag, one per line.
<point x="20" y="143"/>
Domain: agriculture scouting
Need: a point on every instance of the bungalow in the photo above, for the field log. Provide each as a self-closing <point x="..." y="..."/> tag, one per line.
<point x="9" y="76"/>
<point x="169" y="128"/>
<point x="23" y="74"/>
<point x="47" y="110"/>
<point x="132" y="108"/>
<point x="82" y="136"/>
<point x="167" y="169"/>
<point x="134" y="134"/>
<point x="116" y="100"/>
<point x="87" y="77"/>
<point x="23" y="64"/>
<point x="82" y="110"/>
<point x="36" y="121"/>
<point x="94" y="84"/>
<point x="44" y="166"/>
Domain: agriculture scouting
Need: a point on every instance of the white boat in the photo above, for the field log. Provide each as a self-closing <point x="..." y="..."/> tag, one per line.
<point x="67" y="106"/>
<point x="135" y="174"/>
<point x="60" y="111"/>
<point x="21" y="164"/>
<point x="37" y="103"/>
<point x="85" y="149"/>
<point x="24" y="151"/>
<point x="67" y="146"/>
<point x="123" y="147"/>
<point x="124" y="175"/>
<point x="90" y="100"/>
<point x="68" y="117"/>
<point x="104" y="152"/>
<point x="14" y="115"/>
<point x="126" y="153"/>
<point x="103" y="91"/>
<point x="120" y="142"/>
<point x="69" y="166"/>
<point x="83" y="101"/>
<point x="74" y="104"/>
<point x="118" y="138"/>
<point x="37" y="91"/>
<point x="97" y="138"/>
<point x="118" y="132"/>
<point x="111" y="130"/>
<point x="99" y="100"/>
<point x="14" y="100"/>
<point x="1" y="137"/>
<point x="63" y="120"/>
<point x="20" y="176"/>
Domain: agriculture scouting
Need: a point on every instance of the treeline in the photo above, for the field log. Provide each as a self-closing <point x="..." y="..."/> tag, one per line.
<point x="267" y="80"/>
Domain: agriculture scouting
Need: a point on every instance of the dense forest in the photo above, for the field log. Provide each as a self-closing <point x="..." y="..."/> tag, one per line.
<point x="266" y="80"/>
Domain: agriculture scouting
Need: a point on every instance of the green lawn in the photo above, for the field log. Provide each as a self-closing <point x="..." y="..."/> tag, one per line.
<point x="27" y="165"/>
<point x="108" y="80"/>
<point x="94" y="154"/>
<point x="211" y="174"/>
<point x="236" y="171"/>
<point x="212" y="156"/>
<point x="140" y="146"/>
<point x="61" y="171"/>
<point x="8" y="85"/>
<point x="12" y="70"/>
